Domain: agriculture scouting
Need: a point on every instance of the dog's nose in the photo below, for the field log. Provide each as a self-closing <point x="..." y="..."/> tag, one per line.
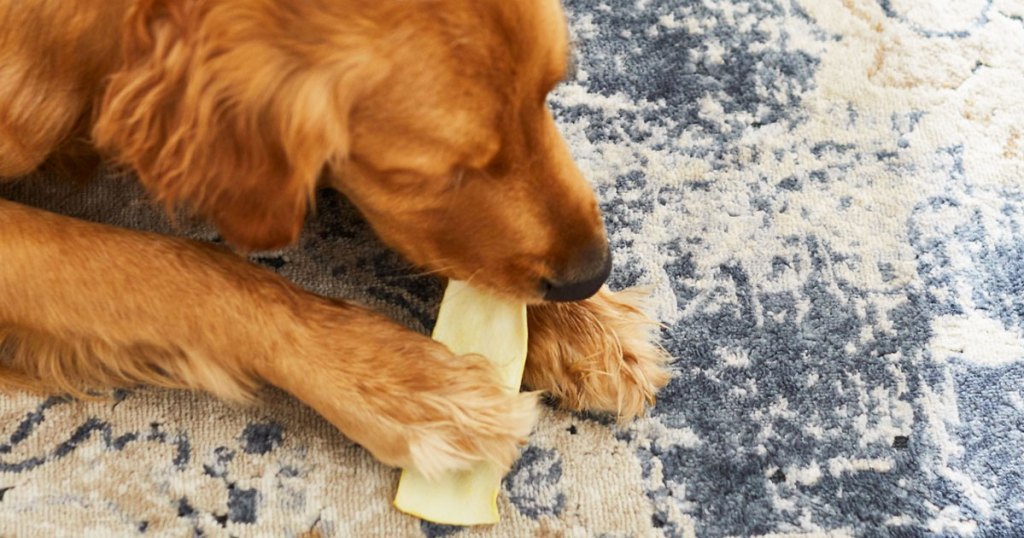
<point x="582" y="278"/>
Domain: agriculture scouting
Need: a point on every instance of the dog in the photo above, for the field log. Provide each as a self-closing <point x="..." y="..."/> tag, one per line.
<point x="429" y="115"/>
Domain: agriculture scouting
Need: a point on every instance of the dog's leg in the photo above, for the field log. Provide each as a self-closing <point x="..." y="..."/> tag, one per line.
<point x="86" y="305"/>
<point x="599" y="354"/>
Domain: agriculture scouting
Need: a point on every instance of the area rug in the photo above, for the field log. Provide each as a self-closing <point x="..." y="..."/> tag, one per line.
<point x="826" y="197"/>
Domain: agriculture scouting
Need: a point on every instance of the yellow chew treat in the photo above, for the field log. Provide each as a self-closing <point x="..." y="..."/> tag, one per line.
<point x="470" y="321"/>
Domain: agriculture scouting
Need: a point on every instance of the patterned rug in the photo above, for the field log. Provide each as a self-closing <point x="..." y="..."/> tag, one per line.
<point x="826" y="196"/>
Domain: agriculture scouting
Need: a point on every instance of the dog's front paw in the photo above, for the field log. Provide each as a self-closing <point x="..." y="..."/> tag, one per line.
<point x="464" y="416"/>
<point x="404" y="397"/>
<point x="598" y="355"/>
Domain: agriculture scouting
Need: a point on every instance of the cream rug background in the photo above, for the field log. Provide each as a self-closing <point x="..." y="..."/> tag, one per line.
<point x="827" y="197"/>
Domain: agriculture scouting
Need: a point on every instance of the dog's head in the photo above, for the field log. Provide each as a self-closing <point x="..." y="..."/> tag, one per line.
<point x="429" y="115"/>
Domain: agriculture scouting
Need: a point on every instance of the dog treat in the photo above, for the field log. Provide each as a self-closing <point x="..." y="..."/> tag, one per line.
<point x="470" y="321"/>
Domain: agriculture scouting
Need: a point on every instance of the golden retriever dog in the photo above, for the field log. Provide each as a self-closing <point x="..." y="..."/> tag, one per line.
<point x="429" y="115"/>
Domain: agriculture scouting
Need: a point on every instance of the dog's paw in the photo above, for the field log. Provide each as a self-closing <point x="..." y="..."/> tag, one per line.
<point x="404" y="397"/>
<point x="597" y="355"/>
<point x="468" y="417"/>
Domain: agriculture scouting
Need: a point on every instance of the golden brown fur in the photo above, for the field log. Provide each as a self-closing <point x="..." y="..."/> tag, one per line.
<point x="609" y="363"/>
<point x="428" y="114"/>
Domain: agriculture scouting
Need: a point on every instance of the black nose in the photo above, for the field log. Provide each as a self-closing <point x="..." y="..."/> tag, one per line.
<point x="583" y="280"/>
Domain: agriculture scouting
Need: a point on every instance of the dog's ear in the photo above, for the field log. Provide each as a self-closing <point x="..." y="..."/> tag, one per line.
<point x="221" y="112"/>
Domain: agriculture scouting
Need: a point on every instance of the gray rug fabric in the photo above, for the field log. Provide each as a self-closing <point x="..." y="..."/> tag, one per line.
<point x="826" y="196"/>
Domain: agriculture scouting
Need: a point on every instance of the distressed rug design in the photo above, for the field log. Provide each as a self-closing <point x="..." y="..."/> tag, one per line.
<point x="827" y="197"/>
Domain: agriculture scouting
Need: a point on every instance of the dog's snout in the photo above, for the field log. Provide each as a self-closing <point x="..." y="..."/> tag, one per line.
<point x="582" y="277"/>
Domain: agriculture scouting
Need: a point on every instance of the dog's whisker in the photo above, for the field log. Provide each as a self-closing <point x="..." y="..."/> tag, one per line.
<point x="456" y="189"/>
<point x="473" y="275"/>
<point x="418" y="274"/>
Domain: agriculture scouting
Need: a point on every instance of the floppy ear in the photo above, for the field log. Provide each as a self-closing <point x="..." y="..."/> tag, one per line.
<point x="216" y="110"/>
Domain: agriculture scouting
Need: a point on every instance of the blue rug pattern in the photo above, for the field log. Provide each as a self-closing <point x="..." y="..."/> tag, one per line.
<point x="826" y="197"/>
